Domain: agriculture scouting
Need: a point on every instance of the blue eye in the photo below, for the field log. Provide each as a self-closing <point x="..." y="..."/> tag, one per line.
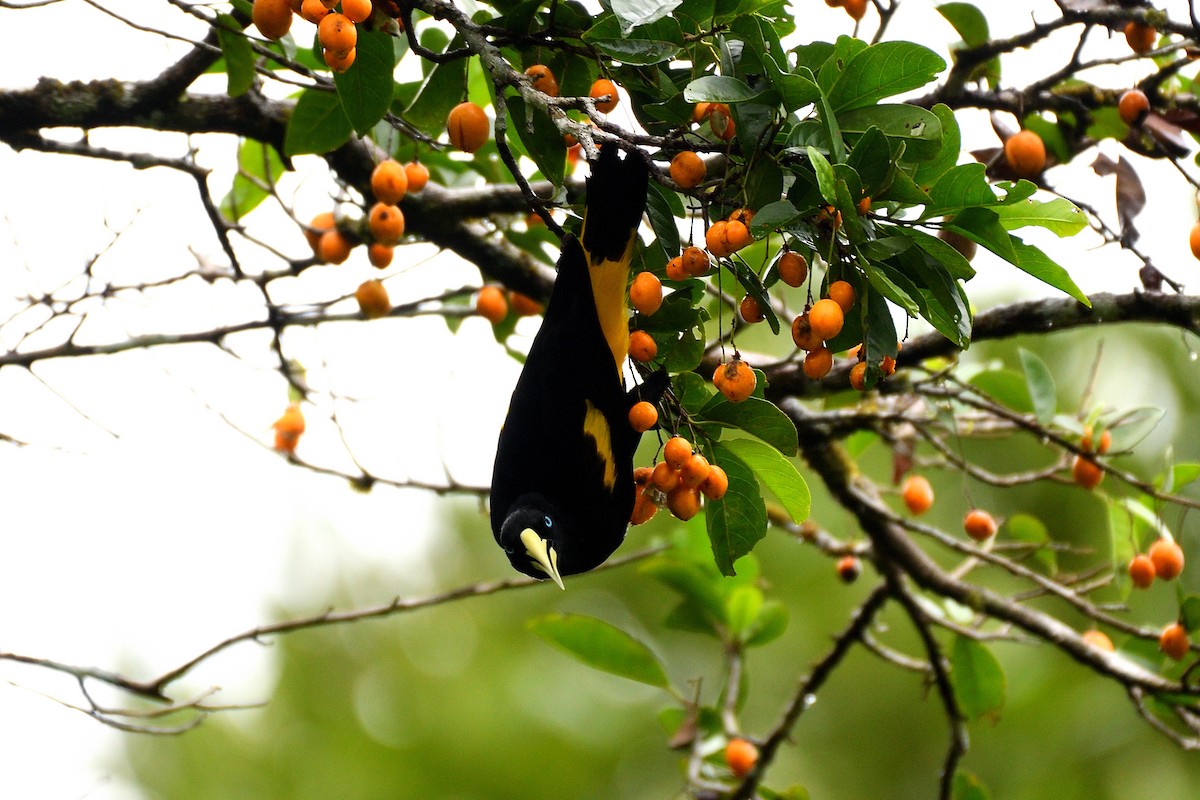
<point x="549" y="522"/>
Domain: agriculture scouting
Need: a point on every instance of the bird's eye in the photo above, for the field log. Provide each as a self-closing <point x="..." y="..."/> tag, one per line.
<point x="549" y="522"/>
<point x="509" y="550"/>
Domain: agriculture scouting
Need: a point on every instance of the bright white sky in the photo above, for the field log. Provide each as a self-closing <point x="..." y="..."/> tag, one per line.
<point x="136" y="551"/>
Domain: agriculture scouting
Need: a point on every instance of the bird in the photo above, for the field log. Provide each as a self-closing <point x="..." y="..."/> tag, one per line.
<point x="562" y="483"/>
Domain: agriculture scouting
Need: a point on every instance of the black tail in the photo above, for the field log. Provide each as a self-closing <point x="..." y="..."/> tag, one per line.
<point x="616" y="201"/>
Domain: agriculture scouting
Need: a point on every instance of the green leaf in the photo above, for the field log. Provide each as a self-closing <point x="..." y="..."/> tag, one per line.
<point x="968" y="21"/>
<point x="1036" y="263"/>
<point x="739" y="519"/>
<point x="1189" y="613"/>
<point x="1030" y="530"/>
<point x="934" y="167"/>
<point x="871" y="160"/>
<point x="317" y="124"/>
<point x="770" y="624"/>
<point x="1059" y="216"/>
<point x="692" y="583"/>
<point x="919" y="129"/>
<point x="257" y="163"/>
<point x="774" y="216"/>
<point x="366" y="88"/>
<point x="1123" y="544"/>
<point x="1042" y="391"/>
<point x="1005" y="387"/>
<point x="1133" y="425"/>
<point x="601" y="646"/>
<point x="755" y="416"/>
<point x="966" y="786"/>
<point x="884" y="284"/>
<point x="941" y="252"/>
<point x="239" y="55"/>
<point x="797" y="89"/>
<point x="441" y="91"/>
<point x="979" y="681"/>
<point x="540" y="138"/>
<point x="648" y="44"/>
<point x="719" y="89"/>
<point x="742" y="607"/>
<point x="778" y="474"/>
<point x="641" y="12"/>
<point x="961" y="186"/>
<point x="884" y="70"/>
<point x="825" y="177"/>
<point x="662" y="206"/>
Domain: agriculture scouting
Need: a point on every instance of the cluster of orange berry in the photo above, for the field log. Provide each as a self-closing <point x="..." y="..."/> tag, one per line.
<point x="677" y="481"/>
<point x="337" y="31"/>
<point x="1084" y="469"/>
<point x="493" y="304"/>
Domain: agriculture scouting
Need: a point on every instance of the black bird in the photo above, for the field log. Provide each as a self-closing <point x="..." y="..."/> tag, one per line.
<point x="562" y="483"/>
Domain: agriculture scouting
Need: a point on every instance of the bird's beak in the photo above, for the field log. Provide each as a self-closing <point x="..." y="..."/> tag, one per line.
<point x="544" y="556"/>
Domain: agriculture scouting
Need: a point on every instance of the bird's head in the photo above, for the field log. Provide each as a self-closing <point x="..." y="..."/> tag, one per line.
<point x="532" y="539"/>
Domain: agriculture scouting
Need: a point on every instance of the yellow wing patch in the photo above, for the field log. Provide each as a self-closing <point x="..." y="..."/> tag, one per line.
<point x="596" y="427"/>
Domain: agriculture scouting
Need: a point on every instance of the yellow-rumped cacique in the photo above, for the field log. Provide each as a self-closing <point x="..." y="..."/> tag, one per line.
<point x="562" y="483"/>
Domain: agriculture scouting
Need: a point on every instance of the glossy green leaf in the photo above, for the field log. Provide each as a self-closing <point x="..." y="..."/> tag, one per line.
<point x="642" y="12"/>
<point x="919" y="129"/>
<point x="778" y="474"/>
<point x="755" y="416"/>
<point x="1036" y="263"/>
<point x="742" y="607"/>
<point x="1029" y="529"/>
<point x="979" y="681"/>
<point x="738" y="520"/>
<point x="719" y="89"/>
<point x="825" y="176"/>
<point x="317" y="124"/>
<point x="889" y="288"/>
<point x="774" y="216"/>
<point x="238" y="54"/>
<point x="871" y="160"/>
<point x="1059" y="216"/>
<point x="942" y="252"/>
<point x="692" y="583"/>
<point x="259" y="166"/>
<point x="884" y="70"/>
<point x="1042" y="391"/>
<point x="968" y="21"/>
<point x="961" y="186"/>
<point x="601" y="646"/>
<point x="797" y="89"/>
<point x="442" y="89"/>
<point x="931" y="169"/>
<point x="770" y="624"/>
<point x="366" y="88"/>
<point x="539" y="138"/>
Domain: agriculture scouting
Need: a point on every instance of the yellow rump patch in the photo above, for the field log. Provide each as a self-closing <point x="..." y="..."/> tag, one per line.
<point x="609" y="281"/>
<point x="596" y="427"/>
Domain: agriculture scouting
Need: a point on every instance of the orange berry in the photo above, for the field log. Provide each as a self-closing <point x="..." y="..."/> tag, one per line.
<point x="737" y="235"/>
<point x="843" y="294"/>
<point x="849" y="568"/>
<point x="664" y="477"/>
<point x="645" y="293"/>
<point x="601" y="88"/>
<point x="1098" y="639"/>
<point x="314" y="11"/>
<point x="386" y="223"/>
<point x="1167" y="557"/>
<point x="1174" y="641"/>
<point x="741" y="756"/>
<point x="288" y="428"/>
<point x="1133" y="106"/>
<point x="644" y="510"/>
<point x="643" y="416"/>
<point x="688" y="170"/>
<point x="1086" y="444"/>
<point x="864" y="206"/>
<point x="491" y="305"/>
<point x="735" y="379"/>
<point x="803" y="335"/>
<point x="695" y="261"/>
<point x="1194" y="240"/>
<point x="857" y="9"/>
<point x="373" y="299"/>
<point x="792" y="268"/>
<point x="1141" y="571"/>
<point x="357" y="10"/>
<point x="389" y="182"/>
<point x="694" y="471"/>
<point x="417" y="175"/>
<point x="683" y="502"/>
<point x="642" y="347"/>
<point x="273" y="18"/>
<point x="818" y="363"/>
<point x="1026" y="153"/>
<point x="965" y="247"/>
<point x="888" y="365"/>
<point x="979" y="525"/>
<point x="379" y="254"/>
<point x="468" y="127"/>
<point x="716" y="239"/>
<point x="333" y="247"/>
<point x="750" y="310"/>
<point x="1141" y="38"/>
<point x="320" y="223"/>
<point x="742" y="215"/>
<point x="543" y="79"/>
<point x="720" y="120"/>
<point x="826" y="319"/>
<point x="523" y="305"/>
<point x="858" y="376"/>
<point x="1086" y="472"/>
<point x="676" y="270"/>
<point x="716" y="484"/>
<point x="677" y="451"/>
<point x="917" y="494"/>
<point x="700" y="112"/>
<point x="339" y="62"/>
<point x="337" y="33"/>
